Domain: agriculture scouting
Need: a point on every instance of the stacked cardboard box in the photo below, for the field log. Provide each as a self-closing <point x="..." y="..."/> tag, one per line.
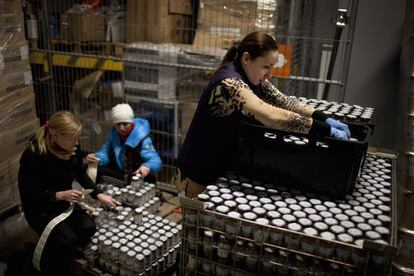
<point x="160" y="21"/>
<point x="18" y="120"/>
<point x="81" y="23"/>
<point x="222" y="21"/>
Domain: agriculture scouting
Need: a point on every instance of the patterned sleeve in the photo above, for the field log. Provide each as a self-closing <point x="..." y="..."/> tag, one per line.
<point x="273" y="96"/>
<point x="233" y="94"/>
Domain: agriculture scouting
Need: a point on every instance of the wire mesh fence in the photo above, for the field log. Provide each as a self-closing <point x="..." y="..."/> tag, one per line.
<point x="158" y="56"/>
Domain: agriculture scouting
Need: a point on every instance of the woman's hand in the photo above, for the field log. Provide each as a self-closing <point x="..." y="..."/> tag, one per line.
<point x="144" y="171"/>
<point x="69" y="195"/>
<point x="91" y="158"/>
<point x="107" y="200"/>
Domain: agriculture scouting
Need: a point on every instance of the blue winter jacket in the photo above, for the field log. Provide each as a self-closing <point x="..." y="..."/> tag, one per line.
<point x="139" y="133"/>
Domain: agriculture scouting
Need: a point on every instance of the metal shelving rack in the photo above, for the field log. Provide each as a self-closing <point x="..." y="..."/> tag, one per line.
<point x="310" y="30"/>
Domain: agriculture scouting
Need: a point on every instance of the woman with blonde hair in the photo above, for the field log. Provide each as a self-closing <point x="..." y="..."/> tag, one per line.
<point x="48" y="167"/>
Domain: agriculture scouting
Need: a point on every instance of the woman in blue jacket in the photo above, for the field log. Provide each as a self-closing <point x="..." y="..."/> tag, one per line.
<point x="128" y="149"/>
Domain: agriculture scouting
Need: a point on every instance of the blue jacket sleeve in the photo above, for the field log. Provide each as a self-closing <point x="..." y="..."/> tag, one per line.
<point x="103" y="154"/>
<point x="151" y="158"/>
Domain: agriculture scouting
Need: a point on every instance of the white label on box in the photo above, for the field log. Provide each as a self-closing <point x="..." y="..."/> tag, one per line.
<point x="28" y="77"/>
<point x="24" y="52"/>
<point x="117" y="89"/>
<point x="225" y="31"/>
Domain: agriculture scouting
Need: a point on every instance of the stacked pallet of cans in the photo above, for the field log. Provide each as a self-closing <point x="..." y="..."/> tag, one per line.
<point x="132" y="239"/>
<point x="240" y="226"/>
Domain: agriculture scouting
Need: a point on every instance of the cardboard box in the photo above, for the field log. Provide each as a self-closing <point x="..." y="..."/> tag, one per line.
<point x="11" y="6"/>
<point x="9" y="196"/>
<point x="215" y="39"/>
<point x="16" y="77"/>
<point x="160" y="21"/>
<point x="14" y="140"/>
<point x="15" y="110"/>
<point x="236" y="16"/>
<point x="86" y="26"/>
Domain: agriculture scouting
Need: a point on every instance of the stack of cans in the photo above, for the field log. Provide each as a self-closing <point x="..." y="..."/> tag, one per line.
<point x="127" y="248"/>
<point x="245" y="211"/>
<point x="341" y="111"/>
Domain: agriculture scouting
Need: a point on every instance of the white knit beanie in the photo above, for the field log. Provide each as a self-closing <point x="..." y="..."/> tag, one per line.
<point x="122" y="113"/>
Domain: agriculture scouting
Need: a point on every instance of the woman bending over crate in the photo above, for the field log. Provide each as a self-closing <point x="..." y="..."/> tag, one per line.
<point x="240" y="89"/>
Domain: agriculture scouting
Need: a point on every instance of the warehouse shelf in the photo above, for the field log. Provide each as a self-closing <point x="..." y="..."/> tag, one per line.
<point x="76" y="61"/>
<point x="85" y="61"/>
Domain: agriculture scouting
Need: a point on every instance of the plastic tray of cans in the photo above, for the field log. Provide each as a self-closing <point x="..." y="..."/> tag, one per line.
<point x="322" y="164"/>
<point x="242" y="227"/>
<point x="353" y="114"/>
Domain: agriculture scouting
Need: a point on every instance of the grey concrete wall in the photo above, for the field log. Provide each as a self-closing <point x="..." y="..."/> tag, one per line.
<point x="374" y="66"/>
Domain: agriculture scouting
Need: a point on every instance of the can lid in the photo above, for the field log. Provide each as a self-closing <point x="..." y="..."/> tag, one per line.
<point x="251" y="197"/>
<point x="241" y="200"/>
<point x="337" y="229"/>
<point x="355" y="233"/>
<point x="278" y="223"/>
<point x="345" y="238"/>
<point x="244" y="208"/>
<point x="284" y="210"/>
<point x="212" y="188"/>
<point x="299" y="214"/>
<point x="254" y="203"/>
<point x="382" y="230"/>
<point x="262" y="221"/>
<point x="372" y="235"/>
<point x="234" y="214"/>
<point x="315" y="218"/>
<point x="259" y="211"/>
<point x="237" y="194"/>
<point x="320" y="226"/>
<point x="305" y="222"/>
<point x="331" y="221"/>
<point x="294" y="226"/>
<point x="269" y="207"/>
<point x="310" y="231"/>
<point x="288" y="218"/>
<point x="327" y="235"/>
<point x="249" y="216"/>
<point x="273" y="214"/>
<point x="203" y="197"/>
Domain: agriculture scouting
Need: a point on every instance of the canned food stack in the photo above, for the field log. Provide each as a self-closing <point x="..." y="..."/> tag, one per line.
<point x="246" y="226"/>
<point x="128" y="245"/>
<point x="342" y="111"/>
<point x="135" y="195"/>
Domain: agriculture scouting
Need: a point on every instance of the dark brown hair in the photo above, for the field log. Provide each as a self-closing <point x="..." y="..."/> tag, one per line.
<point x="256" y="44"/>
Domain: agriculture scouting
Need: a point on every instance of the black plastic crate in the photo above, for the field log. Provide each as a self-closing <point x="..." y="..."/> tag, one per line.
<point x="322" y="164"/>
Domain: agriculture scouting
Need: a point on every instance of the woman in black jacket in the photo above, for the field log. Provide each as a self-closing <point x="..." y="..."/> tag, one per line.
<point x="48" y="168"/>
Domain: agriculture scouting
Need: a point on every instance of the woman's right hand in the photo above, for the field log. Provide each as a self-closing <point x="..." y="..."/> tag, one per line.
<point x="91" y="158"/>
<point x="69" y="195"/>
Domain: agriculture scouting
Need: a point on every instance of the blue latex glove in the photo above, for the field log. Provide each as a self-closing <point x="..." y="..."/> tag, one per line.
<point x="338" y="134"/>
<point x="339" y="125"/>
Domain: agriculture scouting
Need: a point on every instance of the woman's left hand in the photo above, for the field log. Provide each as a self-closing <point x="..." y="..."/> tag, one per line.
<point x="144" y="171"/>
<point x="107" y="199"/>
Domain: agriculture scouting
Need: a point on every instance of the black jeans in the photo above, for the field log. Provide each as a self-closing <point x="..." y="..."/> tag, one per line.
<point x="65" y="241"/>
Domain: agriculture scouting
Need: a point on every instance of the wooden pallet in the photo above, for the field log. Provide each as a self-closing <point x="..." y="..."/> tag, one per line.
<point x="115" y="49"/>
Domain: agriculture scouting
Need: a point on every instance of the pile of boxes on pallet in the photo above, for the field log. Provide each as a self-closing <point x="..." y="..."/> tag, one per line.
<point x="18" y="119"/>
<point x="220" y="22"/>
<point x="133" y="239"/>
